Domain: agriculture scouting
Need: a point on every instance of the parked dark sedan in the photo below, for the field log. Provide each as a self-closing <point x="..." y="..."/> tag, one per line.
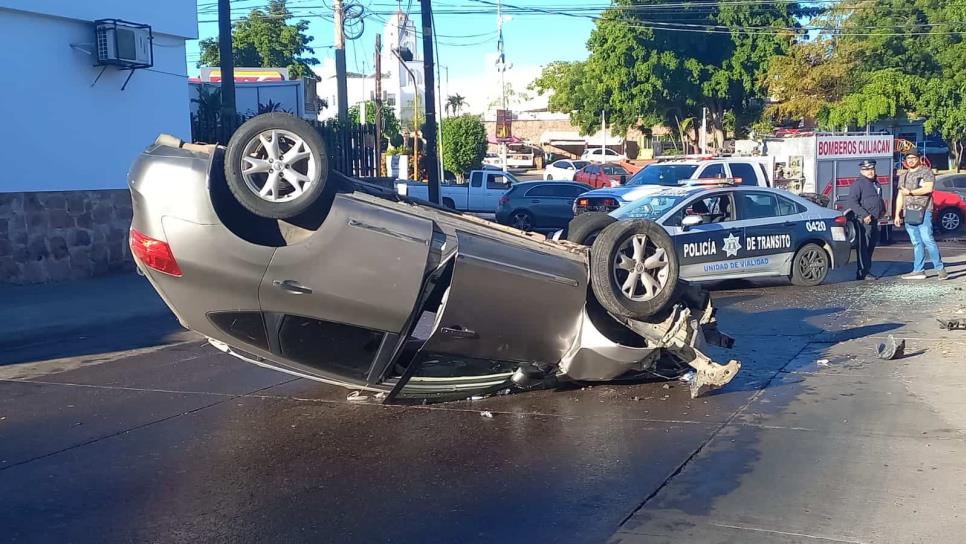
<point x="539" y="204"/>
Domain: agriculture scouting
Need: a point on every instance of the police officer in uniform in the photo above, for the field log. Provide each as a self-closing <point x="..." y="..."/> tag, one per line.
<point x="865" y="199"/>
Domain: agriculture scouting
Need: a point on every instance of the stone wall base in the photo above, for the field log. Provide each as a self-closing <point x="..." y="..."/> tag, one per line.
<point x="62" y="235"/>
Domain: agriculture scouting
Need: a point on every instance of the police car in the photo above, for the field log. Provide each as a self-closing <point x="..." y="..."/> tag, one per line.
<point x="724" y="230"/>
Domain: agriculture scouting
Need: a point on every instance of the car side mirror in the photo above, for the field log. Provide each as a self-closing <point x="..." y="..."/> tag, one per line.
<point x="623" y="179"/>
<point x="691" y="221"/>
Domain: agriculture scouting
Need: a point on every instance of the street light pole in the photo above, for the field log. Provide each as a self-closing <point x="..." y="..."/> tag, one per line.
<point x="342" y="86"/>
<point x="412" y="76"/>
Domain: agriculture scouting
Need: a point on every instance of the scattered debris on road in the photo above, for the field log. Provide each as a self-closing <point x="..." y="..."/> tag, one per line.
<point x="487" y="414"/>
<point x="356" y="396"/>
<point x="822" y="362"/>
<point x="952" y="324"/>
<point x="891" y="349"/>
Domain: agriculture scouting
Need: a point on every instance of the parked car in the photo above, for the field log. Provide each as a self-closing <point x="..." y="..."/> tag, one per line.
<point x="563" y="170"/>
<point x="602" y="155"/>
<point x="654" y="177"/>
<point x="291" y="266"/>
<point x="539" y="204"/>
<point x="722" y="231"/>
<point x="949" y="210"/>
<point x="952" y="183"/>
<point x="599" y="176"/>
<point x="481" y="194"/>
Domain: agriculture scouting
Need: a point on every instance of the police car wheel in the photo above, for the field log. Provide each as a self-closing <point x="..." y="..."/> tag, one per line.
<point x="584" y="228"/>
<point x="810" y="266"/>
<point x="634" y="269"/>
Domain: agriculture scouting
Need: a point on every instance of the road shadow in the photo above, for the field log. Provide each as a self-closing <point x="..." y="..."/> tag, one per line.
<point x="134" y="334"/>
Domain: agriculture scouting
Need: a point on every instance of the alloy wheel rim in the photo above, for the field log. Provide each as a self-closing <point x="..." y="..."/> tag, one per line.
<point x="812" y="265"/>
<point x="641" y="268"/>
<point x="950" y="221"/>
<point x="278" y="166"/>
<point x="521" y="221"/>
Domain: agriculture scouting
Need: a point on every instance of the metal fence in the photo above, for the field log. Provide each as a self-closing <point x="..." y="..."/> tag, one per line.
<point x="351" y="147"/>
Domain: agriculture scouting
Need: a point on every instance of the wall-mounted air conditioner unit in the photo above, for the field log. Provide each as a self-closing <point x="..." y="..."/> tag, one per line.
<point x="123" y="43"/>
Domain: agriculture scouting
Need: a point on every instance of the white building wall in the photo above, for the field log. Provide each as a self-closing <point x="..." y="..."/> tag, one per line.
<point x="88" y="135"/>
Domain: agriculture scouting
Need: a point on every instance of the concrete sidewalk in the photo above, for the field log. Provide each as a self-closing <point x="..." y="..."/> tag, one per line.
<point x="36" y="313"/>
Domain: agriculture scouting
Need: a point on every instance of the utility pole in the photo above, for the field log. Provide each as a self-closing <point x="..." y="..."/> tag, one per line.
<point x="501" y="66"/>
<point x="378" y="103"/>
<point x="227" y="61"/>
<point x="432" y="159"/>
<point x="342" y="90"/>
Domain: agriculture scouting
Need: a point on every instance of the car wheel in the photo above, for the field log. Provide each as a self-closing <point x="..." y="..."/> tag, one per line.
<point x="633" y="269"/>
<point x="950" y="220"/>
<point x="810" y="266"/>
<point x="584" y="228"/>
<point x="276" y="165"/>
<point x="521" y="219"/>
<point x="448" y="203"/>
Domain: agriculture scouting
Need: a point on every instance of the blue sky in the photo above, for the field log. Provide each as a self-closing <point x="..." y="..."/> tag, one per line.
<point x="465" y="40"/>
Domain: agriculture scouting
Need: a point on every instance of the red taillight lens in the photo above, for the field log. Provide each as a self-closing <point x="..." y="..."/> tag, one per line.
<point x="154" y="254"/>
<point x="608" y="202"/>
<point x="582" y="202"/>
<point x="841" y="220"/>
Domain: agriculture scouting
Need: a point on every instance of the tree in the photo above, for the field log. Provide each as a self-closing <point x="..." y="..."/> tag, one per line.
<point x="513" y="98"/>
<point x="641" y="72"/>
<point x="390" y="125"/>
<point x="265" y="38"/>
<point x="454" y="103"/>
<point x="464" y="143"/>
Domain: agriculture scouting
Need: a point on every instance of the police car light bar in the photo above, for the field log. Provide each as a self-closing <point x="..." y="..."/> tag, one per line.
<point x="714" y="182"/>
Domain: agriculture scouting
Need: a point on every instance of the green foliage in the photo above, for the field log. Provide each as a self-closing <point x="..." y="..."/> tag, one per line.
<point x="265" y="38"/>
<point x="455" y="103"/>
<point x="209" y="102"/>
<point x="390" y="125"/>
<point x="639" y="74"/>
<point x="464" y="143"/>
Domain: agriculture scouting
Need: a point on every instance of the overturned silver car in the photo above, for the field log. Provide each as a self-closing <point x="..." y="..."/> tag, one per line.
<point x="288" y="265"/>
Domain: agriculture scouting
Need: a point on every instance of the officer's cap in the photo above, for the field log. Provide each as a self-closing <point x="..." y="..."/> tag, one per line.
<point x="866" y="164"/>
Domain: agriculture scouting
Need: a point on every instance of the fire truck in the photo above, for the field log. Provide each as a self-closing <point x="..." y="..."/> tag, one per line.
<point x="823" y="165"/>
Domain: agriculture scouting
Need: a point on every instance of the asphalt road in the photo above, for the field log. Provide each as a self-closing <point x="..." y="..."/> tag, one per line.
<point x="815" y="441"/>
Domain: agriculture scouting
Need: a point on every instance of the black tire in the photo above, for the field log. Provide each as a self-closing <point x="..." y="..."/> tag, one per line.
<point x="608" y="279"/>
<point x="584" y="228"/>
<point x="949" y="220"/>
<point x="521" y="219"/>
<point x="282" y="203"/>
<point x="810" y="266"/>
<point x="448" y="203"/>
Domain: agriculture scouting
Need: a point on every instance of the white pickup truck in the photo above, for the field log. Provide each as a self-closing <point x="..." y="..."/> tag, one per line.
<point x="481" y="193"/>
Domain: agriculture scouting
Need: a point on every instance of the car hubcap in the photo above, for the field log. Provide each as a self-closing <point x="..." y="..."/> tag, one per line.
<point x="278" y="166"/>
<point x="521" y="221"/>
<point x="641" y="268"/>
<point x="950" y="221"/>
<point x="812" y="265"/>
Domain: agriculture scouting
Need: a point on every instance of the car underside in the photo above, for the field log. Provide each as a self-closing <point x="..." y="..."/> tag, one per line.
<point x="372" y="291"/>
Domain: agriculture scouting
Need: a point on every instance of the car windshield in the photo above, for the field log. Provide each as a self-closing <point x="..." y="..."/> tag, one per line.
<point x="662" y="174"/>
<point x="650" y="207"/>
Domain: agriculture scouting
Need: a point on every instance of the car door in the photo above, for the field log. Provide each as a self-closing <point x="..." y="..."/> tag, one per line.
<point x="334" y="298"/>
<point x="772" y="224"/>
<point x="706" y="251"/>
<point x="497" y="185"/>
<point x="561" y="207"/>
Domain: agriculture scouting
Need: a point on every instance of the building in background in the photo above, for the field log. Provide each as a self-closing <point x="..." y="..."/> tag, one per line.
<point x="74" y="128"/>
<point x="400" y="92"/>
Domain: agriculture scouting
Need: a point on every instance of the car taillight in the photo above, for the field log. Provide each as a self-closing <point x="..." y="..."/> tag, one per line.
<point x="154" y="254"/>
<point x="841" y="220"/>
<point x="583" y="202"/>
<point x="608" y="202"/>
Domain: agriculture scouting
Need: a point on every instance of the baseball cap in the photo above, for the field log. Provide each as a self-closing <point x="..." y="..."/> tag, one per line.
<point x="913" y="153"/>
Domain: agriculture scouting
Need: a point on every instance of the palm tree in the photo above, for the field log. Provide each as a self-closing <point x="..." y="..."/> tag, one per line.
<point x="455" y="103"/>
